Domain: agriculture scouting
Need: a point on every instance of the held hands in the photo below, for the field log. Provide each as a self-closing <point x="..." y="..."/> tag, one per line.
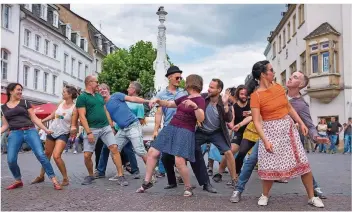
<point x="189" y="103"/>
<point x="236" y="127"/>
<point x="153" y="102"/>
<point x="155" y="134"/>
<point x="73" y="132"/>
<point x="48" y="132"/>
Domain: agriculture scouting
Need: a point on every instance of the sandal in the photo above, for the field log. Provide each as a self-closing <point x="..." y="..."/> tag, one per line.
<point x="38" y="180"/>
<point x="65" y="182"/>
<point x="188" y="192"/>
<point x="144" y="187"/>
<point x="57" y="186"/>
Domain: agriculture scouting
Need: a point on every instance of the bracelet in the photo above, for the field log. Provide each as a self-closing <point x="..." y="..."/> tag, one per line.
<point x="196" y="108"/>
<point x="89" y="133"/>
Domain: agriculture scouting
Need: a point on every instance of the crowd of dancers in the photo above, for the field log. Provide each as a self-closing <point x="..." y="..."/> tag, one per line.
<point x="260" y="116"/>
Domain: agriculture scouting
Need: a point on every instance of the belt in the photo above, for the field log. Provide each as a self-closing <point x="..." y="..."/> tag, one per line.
<point x="23" y="128"/>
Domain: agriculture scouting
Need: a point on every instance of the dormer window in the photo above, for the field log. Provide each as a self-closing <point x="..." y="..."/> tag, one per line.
<point x="28" y="7"/>
<point x="84" y="44"/>
<point x="55" y="19"/>
<point x="68" y="31"/>
<point x="43" y="11"/>
<point x="107" y="47"/>
<point x="99" y="41"/>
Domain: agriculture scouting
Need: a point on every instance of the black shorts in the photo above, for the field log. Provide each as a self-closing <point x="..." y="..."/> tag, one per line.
<point x="237" y="138"/>
<point x="63" y="137"/>
<point x="217" y="138"/>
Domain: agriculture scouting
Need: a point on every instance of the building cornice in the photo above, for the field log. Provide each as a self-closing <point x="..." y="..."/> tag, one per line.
<point x="44" y="66"/>
<point x="78" y="49"/>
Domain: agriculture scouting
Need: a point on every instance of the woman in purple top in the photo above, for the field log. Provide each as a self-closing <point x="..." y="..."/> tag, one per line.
<point x="178" y="138"/>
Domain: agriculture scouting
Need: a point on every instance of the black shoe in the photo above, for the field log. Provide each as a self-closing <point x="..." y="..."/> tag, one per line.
<point x="170" y="186"/>
<point x="217" y="177"/>
<point x="209" y="188"/>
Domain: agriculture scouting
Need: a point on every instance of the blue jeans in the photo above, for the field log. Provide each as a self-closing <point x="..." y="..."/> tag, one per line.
<point x="104" y="157"/>
<point x="333" y="140"/>
<point x="347" y="144"/>
<point x="70" y="142"/>
<point x="248" y="167"/>
<point x="14" y="144"/>
<point x="322" y="147"/>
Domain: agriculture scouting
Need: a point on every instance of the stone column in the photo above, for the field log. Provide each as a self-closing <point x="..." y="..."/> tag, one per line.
<point x="161" y="64"/>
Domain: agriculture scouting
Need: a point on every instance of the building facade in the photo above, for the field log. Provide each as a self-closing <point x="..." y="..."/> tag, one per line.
<point x="10" y="19"/>
<point x="319" y="46"/>
<point x="50" y="47"/>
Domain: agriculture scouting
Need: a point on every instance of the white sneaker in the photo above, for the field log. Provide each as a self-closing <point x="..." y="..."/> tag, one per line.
<point x="75" y="152"/>
<point x="317" y="202"/>
<point x="263" y="200"/>
<point x="114" y="178"/>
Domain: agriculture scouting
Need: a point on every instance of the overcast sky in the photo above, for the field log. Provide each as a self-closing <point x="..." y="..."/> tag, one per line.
<point x="214" y="41"/>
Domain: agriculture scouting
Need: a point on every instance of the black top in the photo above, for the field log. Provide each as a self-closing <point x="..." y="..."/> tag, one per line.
<point x="18" y="117"/>
<point x="239" y="115"/>
<point x="334" y="127"/>
<point x="348" y="130"/>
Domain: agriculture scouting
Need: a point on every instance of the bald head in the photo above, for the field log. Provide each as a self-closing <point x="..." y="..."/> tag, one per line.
<point x="88" y="79"/>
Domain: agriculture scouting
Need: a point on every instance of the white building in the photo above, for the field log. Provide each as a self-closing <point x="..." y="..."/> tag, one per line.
<point x="10" y="19"/>
<point x="44" y="53"/>
<point x="317" y="40"/>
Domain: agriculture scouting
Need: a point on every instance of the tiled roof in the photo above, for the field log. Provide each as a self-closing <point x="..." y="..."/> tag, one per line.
<point x="324" y="28"/>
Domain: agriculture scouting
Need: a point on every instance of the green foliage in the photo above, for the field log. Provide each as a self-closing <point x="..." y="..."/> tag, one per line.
<point x="183" y="84"/>
<point x="134" y="64"/>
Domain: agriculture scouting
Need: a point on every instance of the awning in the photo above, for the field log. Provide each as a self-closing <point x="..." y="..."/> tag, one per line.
<point x="44" y="110"/>
<point x="3" y="98"/>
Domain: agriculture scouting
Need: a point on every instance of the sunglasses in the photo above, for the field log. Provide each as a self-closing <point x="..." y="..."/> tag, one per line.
<point x="178" y="78"/>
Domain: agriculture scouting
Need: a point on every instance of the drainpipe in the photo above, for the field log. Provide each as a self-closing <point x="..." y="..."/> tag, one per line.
<point x="22" y="17"/>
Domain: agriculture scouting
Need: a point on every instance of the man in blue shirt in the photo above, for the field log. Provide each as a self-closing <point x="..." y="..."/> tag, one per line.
<point x="130" y="129"/>
<point x="170" y="93"/>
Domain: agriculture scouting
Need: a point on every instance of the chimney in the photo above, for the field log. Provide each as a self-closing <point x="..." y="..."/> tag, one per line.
<point x="67" y="6"/>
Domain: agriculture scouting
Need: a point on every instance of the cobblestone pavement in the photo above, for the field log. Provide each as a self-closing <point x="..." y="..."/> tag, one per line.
<point x="333" y="173"/>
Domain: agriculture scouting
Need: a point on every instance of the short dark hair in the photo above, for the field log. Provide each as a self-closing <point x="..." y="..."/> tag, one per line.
<point x="232" y="91"/>
<point x="305" y="80"/>
<point x="220" y="83"/>
<point x="350" y="119"/>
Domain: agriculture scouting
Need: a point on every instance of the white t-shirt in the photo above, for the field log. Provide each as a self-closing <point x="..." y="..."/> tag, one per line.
<point x="62" y="122"/>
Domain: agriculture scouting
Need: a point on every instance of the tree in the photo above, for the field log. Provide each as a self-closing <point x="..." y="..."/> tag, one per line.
<point x="134" y="64"/>
<point x="183" y="84"/>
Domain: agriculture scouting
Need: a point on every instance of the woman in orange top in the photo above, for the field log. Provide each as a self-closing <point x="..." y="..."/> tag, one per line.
<point x="281" y="155"/>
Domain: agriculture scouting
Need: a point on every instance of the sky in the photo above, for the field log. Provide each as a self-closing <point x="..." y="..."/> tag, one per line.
<point x="214" y="41"/>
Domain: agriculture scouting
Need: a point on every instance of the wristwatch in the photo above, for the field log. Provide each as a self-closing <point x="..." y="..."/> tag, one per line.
<point x="89" y="133"/>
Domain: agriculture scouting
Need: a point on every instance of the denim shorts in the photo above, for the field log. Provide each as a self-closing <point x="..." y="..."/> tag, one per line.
<point x="63" y="137"/>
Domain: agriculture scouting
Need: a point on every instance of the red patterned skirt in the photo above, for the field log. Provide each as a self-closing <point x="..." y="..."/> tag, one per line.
<point x="289" y="158"/>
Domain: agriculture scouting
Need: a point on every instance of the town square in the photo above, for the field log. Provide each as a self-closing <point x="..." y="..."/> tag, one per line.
<point x="176" y="107"/>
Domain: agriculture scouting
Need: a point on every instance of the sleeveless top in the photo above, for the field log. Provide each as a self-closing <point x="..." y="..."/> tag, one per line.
<point x="62" y="121"/>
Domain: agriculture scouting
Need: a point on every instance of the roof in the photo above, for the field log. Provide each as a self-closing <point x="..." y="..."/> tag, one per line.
<point x="92" y="32"/>
<point x="323" y="29"/>
<point x="36" y="16"/>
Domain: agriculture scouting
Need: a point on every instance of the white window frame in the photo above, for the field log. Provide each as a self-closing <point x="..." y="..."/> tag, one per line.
<point x="79" y="69"/>
<point x="37" y="43"/>
<point x="5" y="74"/>
<point x="9" y="18"/>
<point x="44" y="11"/>
<point x="73" y="61"/>
<point x="56" y="19"/>
<point x="55" y="50"/>
<point x="65" y="62"/>
<point x="25" y="75"/>
<point x="68" y="31"/>
<point x="311" y="63"/>
<point x="36" y="79"/>
<point x="54" y="83"/>
<point x="46" y="47"/>
<point x="86" y="69"/>
<point x="27" y="37"/>
<point x="45" y="81"/>
<point x="28" y="7"/>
